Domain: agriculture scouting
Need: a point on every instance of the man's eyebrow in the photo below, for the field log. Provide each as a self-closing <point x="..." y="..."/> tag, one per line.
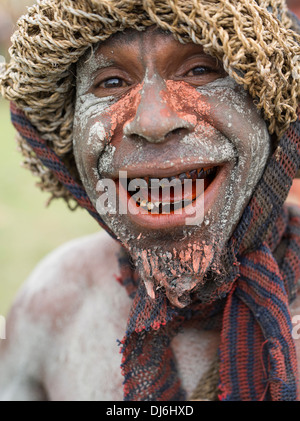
<point x="102" y="62"/>
<point x="116" y="40"/>
<point x="99" y="62"/>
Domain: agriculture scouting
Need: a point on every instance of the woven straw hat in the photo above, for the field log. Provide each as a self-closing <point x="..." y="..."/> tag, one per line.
<point x="256" y="40"/>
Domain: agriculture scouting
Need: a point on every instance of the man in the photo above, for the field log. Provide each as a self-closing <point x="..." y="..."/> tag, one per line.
<point x="183" y="98"/>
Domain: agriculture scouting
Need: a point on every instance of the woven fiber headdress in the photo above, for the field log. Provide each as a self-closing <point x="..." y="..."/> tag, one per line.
<point x="253" y="39"/>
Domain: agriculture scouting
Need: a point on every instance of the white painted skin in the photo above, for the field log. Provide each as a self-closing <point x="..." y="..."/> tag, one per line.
<point x="62" y="331"/>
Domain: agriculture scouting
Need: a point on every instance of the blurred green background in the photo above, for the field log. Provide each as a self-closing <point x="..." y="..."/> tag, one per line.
<point x="28" y="229"/>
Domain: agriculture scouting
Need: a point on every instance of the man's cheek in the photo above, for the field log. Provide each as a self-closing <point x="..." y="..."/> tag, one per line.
<point x="105" y="161"/>
<point x="230" y="109"/>
<point x="95" y="148"/>
<point x="97" y="137"/>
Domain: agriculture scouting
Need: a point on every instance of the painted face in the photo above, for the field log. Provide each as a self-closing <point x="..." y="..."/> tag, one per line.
<point x="149" y="111"/>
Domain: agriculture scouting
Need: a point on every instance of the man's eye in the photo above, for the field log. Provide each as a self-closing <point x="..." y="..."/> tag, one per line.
<point x="114" y="82"/>
<point x="199" y="71"/>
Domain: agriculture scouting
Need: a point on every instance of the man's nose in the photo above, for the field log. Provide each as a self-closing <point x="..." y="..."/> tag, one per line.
<point x="156" y="120"/>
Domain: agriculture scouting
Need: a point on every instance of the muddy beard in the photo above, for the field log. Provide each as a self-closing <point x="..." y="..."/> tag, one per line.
<point x="196" y="272"/>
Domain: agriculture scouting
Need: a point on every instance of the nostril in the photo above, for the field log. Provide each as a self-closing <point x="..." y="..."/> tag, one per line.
<point x="136" y="137"/>
<point x="156" y="130"/>
<point x="181" y="131"/>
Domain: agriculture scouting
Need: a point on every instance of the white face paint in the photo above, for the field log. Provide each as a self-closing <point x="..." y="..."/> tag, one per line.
<point x="252" y="148"/>
<point x="218" y="124"/>
<point x="88" y="111"/>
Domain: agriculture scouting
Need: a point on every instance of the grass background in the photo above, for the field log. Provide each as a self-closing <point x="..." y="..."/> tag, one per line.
<point x="28" y="229"/>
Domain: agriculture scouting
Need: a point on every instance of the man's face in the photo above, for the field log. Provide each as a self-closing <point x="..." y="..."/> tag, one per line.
<point x="147" y="108"/>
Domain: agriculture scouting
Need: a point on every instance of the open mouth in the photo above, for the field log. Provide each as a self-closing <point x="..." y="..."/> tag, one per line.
<point x="170" y="194"/>
<point x="152" y="203"/>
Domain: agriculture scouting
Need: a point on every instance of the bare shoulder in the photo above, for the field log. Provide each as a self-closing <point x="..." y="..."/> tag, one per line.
<point x="65" y="277"/>
<point x="58" y="300"/>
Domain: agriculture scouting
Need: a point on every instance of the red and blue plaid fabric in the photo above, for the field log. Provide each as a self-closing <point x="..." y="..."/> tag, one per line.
<point x="257" y="351"/>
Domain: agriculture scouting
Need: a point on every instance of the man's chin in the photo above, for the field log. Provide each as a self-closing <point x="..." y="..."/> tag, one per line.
<point x="182" y="273"/>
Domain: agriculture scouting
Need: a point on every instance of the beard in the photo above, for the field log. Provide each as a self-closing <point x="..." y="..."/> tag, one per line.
<point x="192" y="271"/>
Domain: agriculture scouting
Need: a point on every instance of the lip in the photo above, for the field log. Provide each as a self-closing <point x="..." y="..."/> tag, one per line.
<point x="181" y="217"/>
<point x="165" y="170"/>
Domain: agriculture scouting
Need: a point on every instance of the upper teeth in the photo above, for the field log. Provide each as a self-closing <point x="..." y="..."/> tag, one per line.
<point x="193" y="174"/>
<point x="159" y="183"/>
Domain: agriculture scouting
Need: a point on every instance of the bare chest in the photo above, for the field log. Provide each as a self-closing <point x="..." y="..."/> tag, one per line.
<point x="91" y="371"/>
<point x="85" y="362"/>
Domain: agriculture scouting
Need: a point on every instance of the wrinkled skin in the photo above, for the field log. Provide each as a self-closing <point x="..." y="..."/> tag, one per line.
<point x="153" y="107"/>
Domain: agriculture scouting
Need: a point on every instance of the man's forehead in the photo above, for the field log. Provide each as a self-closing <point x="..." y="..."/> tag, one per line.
<point x="152" y="38"/>
<point x="137" y="41"/>
<point x="130" y="35"/>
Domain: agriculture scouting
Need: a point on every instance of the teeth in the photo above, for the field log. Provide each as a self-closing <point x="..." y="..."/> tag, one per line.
<point x="200" y="173"/>
<point x="162" y="206"/>
<point x="193" y="174"/>
<point x="150" y="206"/>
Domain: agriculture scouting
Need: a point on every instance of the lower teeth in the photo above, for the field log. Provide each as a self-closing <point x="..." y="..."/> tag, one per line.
<point x="160" y="207"/>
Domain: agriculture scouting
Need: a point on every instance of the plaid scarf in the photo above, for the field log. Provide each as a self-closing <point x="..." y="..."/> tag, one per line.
<point x="257" y="352"/>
